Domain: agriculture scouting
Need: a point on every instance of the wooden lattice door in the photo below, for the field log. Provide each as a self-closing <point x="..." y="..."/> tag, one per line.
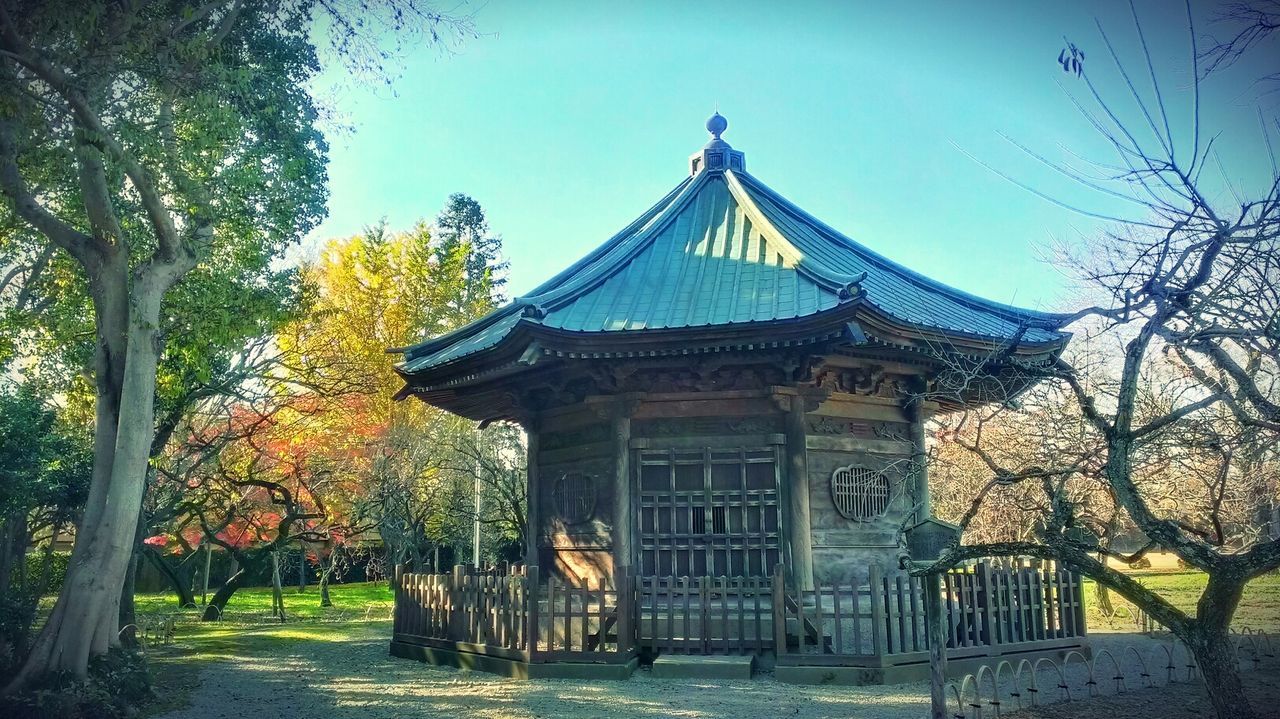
<point x="708" y="511"/>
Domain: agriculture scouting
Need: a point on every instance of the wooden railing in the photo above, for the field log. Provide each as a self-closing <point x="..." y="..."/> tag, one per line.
<point x="475" y="610"/>
<point x="705" y="615"/>
<point x="1013" y="604"/>
<point x="583" y="623"/>
<point x="515" y="616"/>
<point x="985" y="607"/>
<point x="522" y="617"/>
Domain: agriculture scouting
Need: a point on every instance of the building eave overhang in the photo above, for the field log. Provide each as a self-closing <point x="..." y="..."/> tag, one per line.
<point x="853" y="323"/>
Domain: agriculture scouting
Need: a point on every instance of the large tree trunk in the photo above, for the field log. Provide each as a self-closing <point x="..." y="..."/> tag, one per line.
<point x="128" y="612"/>
<point x="180" y="584"/>
<point x="302" y="567"/>
<point x="13" y="548"/>
<point x="1216" y="657"/>
<point x="84" y="621"/>
<point x="277" y="591"/>
<point x="1209" y="639"/>
<point x="218" y="604"/>
<point x="325" y="599"/>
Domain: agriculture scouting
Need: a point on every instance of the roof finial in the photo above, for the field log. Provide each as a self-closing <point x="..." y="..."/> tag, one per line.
<point x="716" y="124"/>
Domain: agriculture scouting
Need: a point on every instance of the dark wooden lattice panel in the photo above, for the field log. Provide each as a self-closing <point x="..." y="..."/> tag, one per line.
<point x="860" y="493"/>
<point x="708" y="511"/>
<point x="574" y="497"/>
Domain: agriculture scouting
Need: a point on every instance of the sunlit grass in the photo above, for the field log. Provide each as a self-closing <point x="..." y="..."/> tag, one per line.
<point x="373" y="598"/>
<point x="1259" y="607"/>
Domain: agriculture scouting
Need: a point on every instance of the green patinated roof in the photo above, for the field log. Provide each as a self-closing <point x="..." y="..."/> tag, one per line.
<point x="724" y="250"/>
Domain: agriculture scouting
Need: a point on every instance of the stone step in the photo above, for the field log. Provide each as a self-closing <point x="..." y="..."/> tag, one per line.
<point x="697" y="666"/>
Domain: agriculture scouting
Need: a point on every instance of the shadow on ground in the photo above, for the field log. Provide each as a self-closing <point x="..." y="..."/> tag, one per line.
<point x="345" y="673"/>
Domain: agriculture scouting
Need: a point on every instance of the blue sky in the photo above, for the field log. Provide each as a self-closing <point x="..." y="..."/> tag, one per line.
<point x="565" y="120"/>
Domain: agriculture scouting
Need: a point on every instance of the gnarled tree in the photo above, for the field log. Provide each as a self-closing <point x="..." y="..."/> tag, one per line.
<point x="1177" y="426"/>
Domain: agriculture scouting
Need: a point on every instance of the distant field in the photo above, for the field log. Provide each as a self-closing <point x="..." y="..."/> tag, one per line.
<point x="1259" y="607"/>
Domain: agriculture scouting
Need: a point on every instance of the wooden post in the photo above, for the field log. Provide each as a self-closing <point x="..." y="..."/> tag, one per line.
<point x="397" y="621"/>
<point x="879" y="645"/>
<point x="626" y="610"/>
<point x="779" y="611"/>
<point x="533" y="516"/>
<point x="1077" y="596"/>
<point x="704" y="614"/>
<point x="531" y="597"/>
<point x="797" y="479"/>
<point x="987" y="626"/>
<point x="457" y="617"/>
<point x="937" y="646"/>
<point x="623" y="515"/>
<point x="916" y="416"/>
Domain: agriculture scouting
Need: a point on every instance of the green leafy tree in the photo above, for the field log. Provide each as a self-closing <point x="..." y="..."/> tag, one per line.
<point x="148" y="143"/>
<point x="464" y="239"/>
<point x="385" y="289"/>
<point x="44" y="475"/>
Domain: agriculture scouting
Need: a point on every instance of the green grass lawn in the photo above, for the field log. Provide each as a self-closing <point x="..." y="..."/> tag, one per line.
<point x="254" y="603"/>
<point x="1259" y="607"/>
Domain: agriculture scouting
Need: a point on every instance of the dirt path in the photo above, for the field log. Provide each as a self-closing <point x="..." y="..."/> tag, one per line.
<point x="355" y="678"/>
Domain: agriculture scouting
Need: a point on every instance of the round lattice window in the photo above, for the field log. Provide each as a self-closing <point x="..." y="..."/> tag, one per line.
<point x="574" y="497"/>
<point x="860" y="493"/>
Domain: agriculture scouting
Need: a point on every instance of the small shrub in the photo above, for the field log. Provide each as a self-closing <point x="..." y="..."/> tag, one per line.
<point x="117" y="685"/>
<point x="17" y="614"/>
<point x="1141" y="563"/>
<point x="57" y="570"/>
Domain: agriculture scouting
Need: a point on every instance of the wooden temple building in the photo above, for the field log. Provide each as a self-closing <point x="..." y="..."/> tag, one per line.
<point x="725" y="407"/>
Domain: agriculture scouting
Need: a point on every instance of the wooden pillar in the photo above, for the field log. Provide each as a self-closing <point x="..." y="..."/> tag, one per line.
<point x="533" y="514"/>
<point x="798" y="524"/>
<point x="933" y="613"/>
<point x="397" y="619"/>
<point x="623" y="514"/>
<point x="532" y="597"/>
<point x="919" y="456"/>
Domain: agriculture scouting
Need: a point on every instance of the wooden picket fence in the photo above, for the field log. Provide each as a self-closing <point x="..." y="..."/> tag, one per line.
<point x="985" y="608"/>
<point x="514" y="616"/>
<point x="1013" y="604"/>
<point x="520" y="616"/>
<point x="705" y="615"/>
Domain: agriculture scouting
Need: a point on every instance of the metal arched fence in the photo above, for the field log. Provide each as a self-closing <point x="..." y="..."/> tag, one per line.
<point x="1008" y="686"/>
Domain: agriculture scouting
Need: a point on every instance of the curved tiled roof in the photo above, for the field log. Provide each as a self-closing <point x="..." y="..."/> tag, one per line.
<point x="723" y="250"/>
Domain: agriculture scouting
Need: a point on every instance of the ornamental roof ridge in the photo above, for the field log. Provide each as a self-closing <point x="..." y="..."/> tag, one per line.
<point x="717" y="155"/>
